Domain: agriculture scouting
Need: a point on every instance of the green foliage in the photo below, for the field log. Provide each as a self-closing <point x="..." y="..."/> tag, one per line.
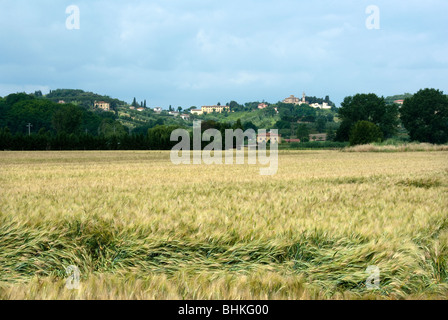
<point x="250" y="125"/>
<point x="234" y="106"/>
<point x="315" y="145"/>
<point x="292" y="113"/>
<point x="365" y="132"/>
<point x="367" y="107"/>
<point x="303" y="133"/>
<point x="343" y="132"/>
<point x="80" y="97"/>
<point x="331" y="135"/>
<point x="391" y="99"/>
<point x="282" y="125"/>
<point x="59" y="126"/>
<point x="110" y="128"/>
<point x="321" y="124"/>
<point x="17" y="113"/>
<point x="238" y="125"/>
<point x="38" y="94"/>
<point x="67" y="118"/>
<point x="159" y="137"/>
<point x="16" y="97"/>
<point x="425" y="116"/>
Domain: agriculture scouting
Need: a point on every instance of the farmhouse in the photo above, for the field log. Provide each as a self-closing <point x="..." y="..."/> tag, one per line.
<point x="262" y="106"/>
<point x="102" y="105"/>
<point x="219" y="109"/>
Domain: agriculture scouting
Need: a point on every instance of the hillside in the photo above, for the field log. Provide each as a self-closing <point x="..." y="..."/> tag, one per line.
<point x="19" y="110"/>
<point x="80" y="97"/>
<point x="39" y="110"/>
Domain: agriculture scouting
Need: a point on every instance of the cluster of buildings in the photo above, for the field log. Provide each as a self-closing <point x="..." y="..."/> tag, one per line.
<point x="203" y="110"/>
<point x="296" y="101"/>
<point x="219" y="109"/>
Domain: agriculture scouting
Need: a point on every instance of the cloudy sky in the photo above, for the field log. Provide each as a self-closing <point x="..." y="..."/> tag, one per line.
<point x="200" y="52"/>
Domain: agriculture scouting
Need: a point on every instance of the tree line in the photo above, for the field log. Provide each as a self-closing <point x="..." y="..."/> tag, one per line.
<point x="45" y="140"/>
<point x="30" y="123"/>
<point x="368" y="118"/>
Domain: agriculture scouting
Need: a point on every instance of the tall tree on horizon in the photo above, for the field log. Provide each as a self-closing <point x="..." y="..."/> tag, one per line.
<point x="367" y="107"/>
<point x="425" y="116"/>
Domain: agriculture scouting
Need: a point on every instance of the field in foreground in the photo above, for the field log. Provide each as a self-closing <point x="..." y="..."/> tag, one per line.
<point x="139" y="227"/>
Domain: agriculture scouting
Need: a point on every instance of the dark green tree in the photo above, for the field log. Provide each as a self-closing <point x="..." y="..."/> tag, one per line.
<point x="110" y="128"/>
<point x="67" y="119"/>
<point x="238" y="125"/>
<point x="365" y="132"/>
<point x="425" y="116"/>
<point x="321" y="123"/>
<point x="367" y="107"/>
<point x="331" y="135"/>
<point x="303" y="133"/>
<point x="159" y="137"/>
<point x="250" y="125"/>
<point x="234" y="106"/>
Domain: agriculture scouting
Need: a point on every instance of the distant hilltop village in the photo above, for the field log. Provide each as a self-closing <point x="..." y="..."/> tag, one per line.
<point x="293" y="100"/>
<point x="220" y="109"/>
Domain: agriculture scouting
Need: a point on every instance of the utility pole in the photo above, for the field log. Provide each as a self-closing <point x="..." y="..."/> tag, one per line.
<point x="29" y="125"/>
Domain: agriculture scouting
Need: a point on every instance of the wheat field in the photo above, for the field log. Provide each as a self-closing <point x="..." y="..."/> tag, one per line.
<point x="139" y="227"/>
